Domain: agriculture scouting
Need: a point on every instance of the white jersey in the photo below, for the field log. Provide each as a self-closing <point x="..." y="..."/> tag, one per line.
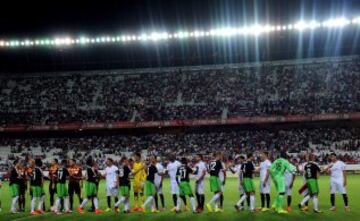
<point x="222" y="174"/>
<point x="172" y="168"/>
<point x="264" y="167"/>
<point x="337" y="171"/>
<point x="288" y="177"/>
<point x="302" y="170"/>
<point x="111" y="174"/>
<point x="160" y="168"/>
<point x="200" y="169"/>
<point x="237" y="169"/>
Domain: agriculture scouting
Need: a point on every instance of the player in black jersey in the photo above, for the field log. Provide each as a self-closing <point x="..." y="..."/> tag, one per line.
<point x="312" y="173"/>
<point x="92" y="177"/>
<point x="36" y="182"/>
<point x="75" y="182"/>
<point x="22" y="186"/>
<point x="14" y="179"/>
<point x="248" y="169"/>
<point x="183" y="180"/>
<point x="215" y="166"/>
<point x="150" y="189"/>
<point x="124" y="184"/>
<point x="236" y="169"/>
<point x="61" y="176"/>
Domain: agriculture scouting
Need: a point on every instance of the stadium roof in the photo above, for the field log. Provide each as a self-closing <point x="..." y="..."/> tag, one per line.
<point x="63" y="23"/>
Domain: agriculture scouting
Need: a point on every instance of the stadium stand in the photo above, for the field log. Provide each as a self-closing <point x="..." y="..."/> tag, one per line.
<point x="345" y="142"/>
<point x="313" y="86"/>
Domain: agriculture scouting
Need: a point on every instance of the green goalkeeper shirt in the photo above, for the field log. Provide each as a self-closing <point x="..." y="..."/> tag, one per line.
<point x="279" y="167"/>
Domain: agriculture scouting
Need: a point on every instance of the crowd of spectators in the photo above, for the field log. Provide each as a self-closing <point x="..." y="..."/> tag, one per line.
<point x="321" y="141"/>
<point x="292" y="87"/>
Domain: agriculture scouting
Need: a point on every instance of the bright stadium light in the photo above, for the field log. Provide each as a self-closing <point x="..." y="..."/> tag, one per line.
<point x="256" y="30"/>
<point x="253" y="30"/>
<point x="183" y="34"/>
<point x="301" y="25"/>
<point x="337" y="22"/>
<point x="356" y="20"/>
<point x="143" y="37"/>
<point x="314" y="24"/>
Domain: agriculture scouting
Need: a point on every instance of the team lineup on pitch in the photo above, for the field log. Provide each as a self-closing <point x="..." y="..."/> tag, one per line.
<point x="149" y="197"/>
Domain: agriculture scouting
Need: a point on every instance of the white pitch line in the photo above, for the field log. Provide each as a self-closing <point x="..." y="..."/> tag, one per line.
<point x="27" y="217"/>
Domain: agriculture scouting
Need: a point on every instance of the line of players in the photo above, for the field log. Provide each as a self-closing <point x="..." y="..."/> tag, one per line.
<point x="66" y="180"/>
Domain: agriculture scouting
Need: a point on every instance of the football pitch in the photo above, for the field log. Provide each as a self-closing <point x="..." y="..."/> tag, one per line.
<point x="229" y="214"/>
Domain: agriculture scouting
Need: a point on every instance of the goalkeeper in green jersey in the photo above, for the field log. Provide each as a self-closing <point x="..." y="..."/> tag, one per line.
<point x="277" y="171"/>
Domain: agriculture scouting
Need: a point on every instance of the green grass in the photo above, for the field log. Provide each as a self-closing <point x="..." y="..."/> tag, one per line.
<point x="231" y="197"/>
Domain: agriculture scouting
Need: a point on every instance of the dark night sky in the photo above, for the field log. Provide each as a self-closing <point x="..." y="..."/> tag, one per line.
<point x="28" y="18"/>
<point x="20" y="19"/>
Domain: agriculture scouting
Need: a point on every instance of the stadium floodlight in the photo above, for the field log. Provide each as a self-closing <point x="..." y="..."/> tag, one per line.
<point x="267" y="28"/>
<point x="83" y="40"/>
<point x="143" y="37"/>
<point x="301" y="25"/>
<point x="128" y="38"/>
<point x="196" y="34"/>
<point x="227" y="31"/>
<point x="356" y="20"/>
<point x="313" y="24"/>
<point x="154" y="36"/>
<point x="68" y="41"/>
<point x="183" y="34"/>
<point x="256" y="30"/>
<point x="27" y="42"/>
<point x="14" y="43"/>
<point x="337" y="22"/>
<point x="253" y="30"/>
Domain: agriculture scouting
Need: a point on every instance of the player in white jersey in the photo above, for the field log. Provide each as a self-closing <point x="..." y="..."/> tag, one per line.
<point x="237" y="169"/>
<point x="171" y="170"/>
<point x="338" y="181"/>
<point x="112" y="182"/>
<point x="289" y="183"/>
<point x="222" y="178"/>
<point x="199" y="173"/>
<point x="264" y="181"/>
<point x="158" y="184"/>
